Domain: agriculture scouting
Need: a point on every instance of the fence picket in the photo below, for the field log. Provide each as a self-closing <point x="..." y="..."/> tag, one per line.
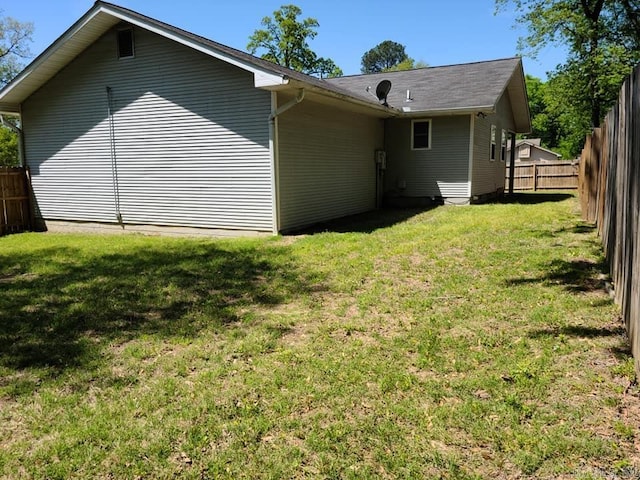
<point x="610" y="196"/>
<point x="15" y="213"/>
<point x="545" y="176"/>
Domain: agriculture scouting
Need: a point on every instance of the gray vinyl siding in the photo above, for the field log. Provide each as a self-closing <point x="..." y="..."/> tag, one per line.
<point x="488" y="176"/>
<point x="191" y="139"/>
<point x="441" y="171"/>
<point x="326" y="163"/>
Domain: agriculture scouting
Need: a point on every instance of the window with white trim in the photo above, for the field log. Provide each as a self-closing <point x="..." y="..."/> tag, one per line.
<point x="420" y="134"/>
<point x="125" y="43"/>
<point x="492" y="157"/>
<point x="503" y="146"/>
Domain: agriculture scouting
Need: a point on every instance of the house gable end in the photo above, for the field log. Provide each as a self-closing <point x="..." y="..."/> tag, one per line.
<point x="95" y="23"/>
<point x="188" y="140"/>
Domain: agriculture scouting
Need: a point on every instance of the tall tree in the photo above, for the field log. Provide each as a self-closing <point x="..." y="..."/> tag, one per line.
<point x="326" y="68"/>
<point x="408" y="64"/>
<point x="14" y="39"/>
<point x="284" y="40"/>
<point x="556" y="119"/>
<point x="14" y="49"/>
<point x="544" y="124"/>
<point x="384" y="57"/>
<point x="600" y="36"/>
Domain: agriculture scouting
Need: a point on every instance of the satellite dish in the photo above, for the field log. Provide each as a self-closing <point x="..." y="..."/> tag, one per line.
<point x="382" y="90"/>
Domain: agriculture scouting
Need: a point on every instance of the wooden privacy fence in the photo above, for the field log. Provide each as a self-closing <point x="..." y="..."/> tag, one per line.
<point x="610" y="196"/>
<point x="545" y="176"/>
<point x="15" y="214"/>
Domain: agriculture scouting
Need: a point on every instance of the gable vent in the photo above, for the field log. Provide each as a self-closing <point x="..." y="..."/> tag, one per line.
<point x="125" y="43"/>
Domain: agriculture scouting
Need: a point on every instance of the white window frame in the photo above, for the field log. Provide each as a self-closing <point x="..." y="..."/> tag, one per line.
<point x="503" y="146"/>
<point x="422" y="120"/>
<point x="492" y="148"/>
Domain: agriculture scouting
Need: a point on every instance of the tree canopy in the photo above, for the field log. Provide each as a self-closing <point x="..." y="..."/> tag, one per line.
<point x="8" y="147"/>
<point x="284" y="40"/>
<point x="408" y="64"/>
<point x="384" y="57"/>
<point x="602" y="38"/>
<point x="544" y="124"/>
<point x="14" y="47"/>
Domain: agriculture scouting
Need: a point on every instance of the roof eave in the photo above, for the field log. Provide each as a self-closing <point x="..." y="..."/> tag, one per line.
<point x="93" y="24"/>
<point x="381" y="110"/>
<point x="12" y="105"/>
<point x="263" y="78"/>
<point x="517" y="81"/>
<point x="473" y="110"/>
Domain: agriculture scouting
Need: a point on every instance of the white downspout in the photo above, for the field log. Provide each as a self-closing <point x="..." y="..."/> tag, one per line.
<point x="21" y="159"/>
<point x="472" y="127"/>
<point x="291" y="103"/>
<point x="275" y="151"/>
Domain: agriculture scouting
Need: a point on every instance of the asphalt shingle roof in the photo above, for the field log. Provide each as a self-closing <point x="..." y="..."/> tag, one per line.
<point x="435" y="89"/>
<point x="451" y="87"/>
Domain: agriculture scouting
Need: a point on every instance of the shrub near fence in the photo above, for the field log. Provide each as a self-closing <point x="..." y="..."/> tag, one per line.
<point x="545" y="176"/>
<point x="610" y="196"/>
<point x="15" y="215"/>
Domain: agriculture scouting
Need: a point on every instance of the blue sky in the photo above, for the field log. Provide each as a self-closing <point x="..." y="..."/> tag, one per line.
<point x="438" y="32"/>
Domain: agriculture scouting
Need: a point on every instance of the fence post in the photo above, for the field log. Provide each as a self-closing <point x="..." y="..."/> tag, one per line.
<point x="4" y="217"/>
<point x="512" y="163"/>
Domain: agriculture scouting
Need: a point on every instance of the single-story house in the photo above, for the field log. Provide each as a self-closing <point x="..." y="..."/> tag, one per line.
<point x="129" y="121"/>
<point x="530" y="150"/>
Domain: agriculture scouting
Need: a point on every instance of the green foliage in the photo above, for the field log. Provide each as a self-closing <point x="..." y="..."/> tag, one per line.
<point x="408" y="64"/>
<point x="284" y="39"/>
<point x="544" y="124"/>
<point x="325" y="67"/>
<point x="14" y="37"/>
<point x="386" y="56"/>
<point x="8" y="148"/>
<point x="602" y="38"/>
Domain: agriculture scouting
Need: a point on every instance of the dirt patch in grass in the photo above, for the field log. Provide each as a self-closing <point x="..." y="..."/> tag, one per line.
<point x="424" y="346"/>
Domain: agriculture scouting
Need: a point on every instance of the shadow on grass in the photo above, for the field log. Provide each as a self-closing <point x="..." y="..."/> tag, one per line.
<point x="577" y="276"/>
<point x="367" y="222"/>
<point x="534" y="198"/>
<point x="579" y="228"/>
<point x="579" y="331"/>
<point x="622" y="351"/>
<point x="65" y="317"/>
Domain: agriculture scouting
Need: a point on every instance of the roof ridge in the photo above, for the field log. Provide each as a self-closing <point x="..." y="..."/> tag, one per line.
<point x="235" y="52"/>
<point x="188" y="33"/>
<point x="435" y="67"/>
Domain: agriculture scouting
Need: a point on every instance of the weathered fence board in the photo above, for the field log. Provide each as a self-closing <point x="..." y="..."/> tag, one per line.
<point x="610" y="196"/>
<point x="15" y="215"/>
<point x="545" y="176"/>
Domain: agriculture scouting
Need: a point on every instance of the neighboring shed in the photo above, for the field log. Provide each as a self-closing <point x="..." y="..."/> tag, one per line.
<point x="530" y="150"/>
<point x="129" y="121"/>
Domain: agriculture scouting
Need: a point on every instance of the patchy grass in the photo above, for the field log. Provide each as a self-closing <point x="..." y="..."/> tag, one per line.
<point x="455" y="343"/>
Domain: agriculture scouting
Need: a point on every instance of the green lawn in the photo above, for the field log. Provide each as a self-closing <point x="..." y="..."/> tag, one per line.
<point x="459" y="343"/>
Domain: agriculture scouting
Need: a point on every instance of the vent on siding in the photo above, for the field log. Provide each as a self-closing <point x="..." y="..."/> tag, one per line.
<point x="125" y="43"/>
